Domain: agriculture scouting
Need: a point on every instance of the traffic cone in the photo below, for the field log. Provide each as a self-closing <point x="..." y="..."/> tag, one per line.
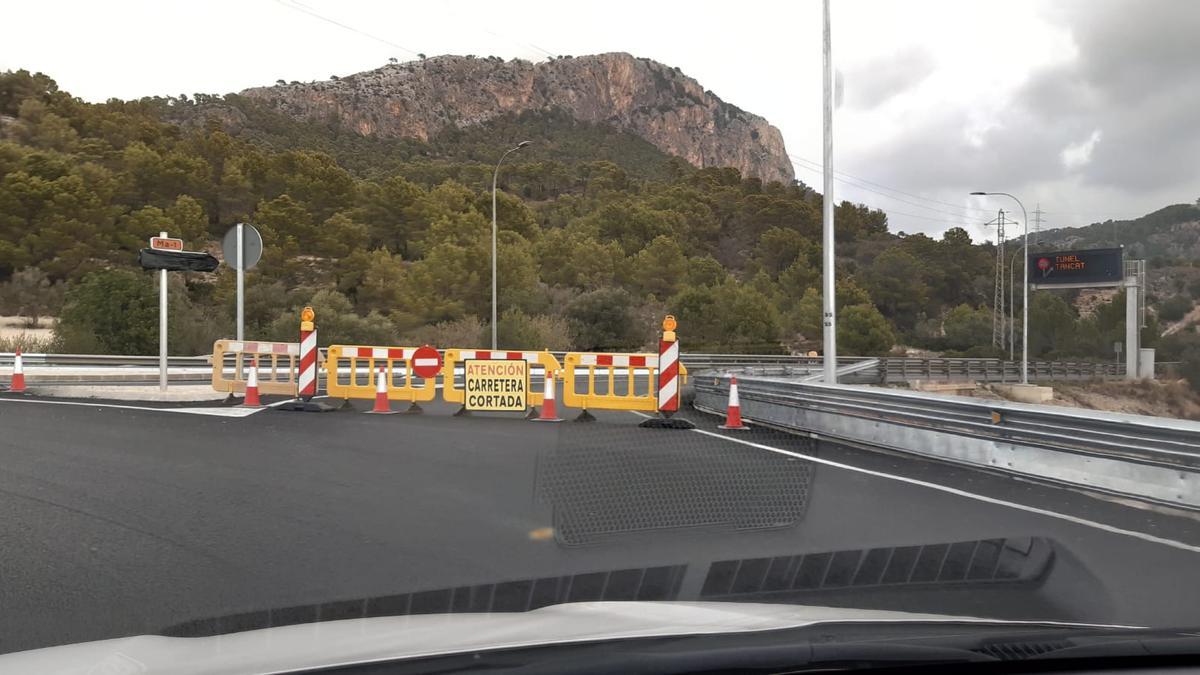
<point x="382" y="405"/>
<point x="549" y="405"/>
<point x="251" y="400"/>
<point x="18" y="375"/>
<point x="733" y="416"/>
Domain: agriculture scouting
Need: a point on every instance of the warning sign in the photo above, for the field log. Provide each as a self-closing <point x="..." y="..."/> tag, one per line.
<point x="496" y="386"/>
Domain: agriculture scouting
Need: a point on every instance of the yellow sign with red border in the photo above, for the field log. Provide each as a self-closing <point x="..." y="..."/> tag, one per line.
<point x="496" y="385"/>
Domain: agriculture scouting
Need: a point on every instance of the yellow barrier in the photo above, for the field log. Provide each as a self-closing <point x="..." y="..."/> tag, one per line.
<point x="635" y="389"/>
<point x="350" y="372"/>
<point x="452" y="393"/>
<point x="231" y="362"/>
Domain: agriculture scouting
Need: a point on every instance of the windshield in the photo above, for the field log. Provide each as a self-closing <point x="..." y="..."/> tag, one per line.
<point x="314" y="312"/>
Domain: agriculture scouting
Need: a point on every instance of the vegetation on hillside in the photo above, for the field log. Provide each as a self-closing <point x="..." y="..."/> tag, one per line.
<point x="600" y="234"/>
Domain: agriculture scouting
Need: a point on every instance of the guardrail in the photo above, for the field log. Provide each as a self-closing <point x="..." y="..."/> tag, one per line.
<point x="6" y="359"/>
<point x="1148" y="458"/>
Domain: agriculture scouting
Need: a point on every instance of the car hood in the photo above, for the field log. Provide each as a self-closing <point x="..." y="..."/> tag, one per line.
<point x="324" y="644"/>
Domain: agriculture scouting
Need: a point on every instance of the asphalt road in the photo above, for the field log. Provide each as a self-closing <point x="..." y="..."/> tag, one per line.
<point x="127" y="520"/>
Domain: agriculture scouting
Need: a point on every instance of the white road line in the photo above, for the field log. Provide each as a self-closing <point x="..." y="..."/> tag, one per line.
<point x="955" y="491"/>
<point x="216" y="412"/>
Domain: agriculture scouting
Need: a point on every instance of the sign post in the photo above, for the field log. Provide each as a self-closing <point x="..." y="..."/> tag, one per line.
<point x="241" y="283"/>
<point x="162" y="312"/>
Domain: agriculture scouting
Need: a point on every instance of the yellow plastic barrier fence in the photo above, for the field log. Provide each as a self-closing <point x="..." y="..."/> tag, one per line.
<point x="232" y="360"/>
<point x="627" y="381"/>
<point x="350" y="372"/>
<point x="452" y="391"/>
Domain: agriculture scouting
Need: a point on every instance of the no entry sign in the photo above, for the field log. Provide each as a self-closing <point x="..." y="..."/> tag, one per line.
<point x="496" y="386"/>
<point x="426" y="362"/>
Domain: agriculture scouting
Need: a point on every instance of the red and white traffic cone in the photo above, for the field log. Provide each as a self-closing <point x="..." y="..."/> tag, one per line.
<point x="18" y="375"/>
<point x="733" y="416"/>
<point x="382" y="405"/>
<point x="549" y="405"/>
<point x="251" y="400"/>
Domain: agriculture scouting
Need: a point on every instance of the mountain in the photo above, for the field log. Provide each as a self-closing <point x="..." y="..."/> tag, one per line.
<point x="1172" y="232"/>
<point x="422" y="100"/>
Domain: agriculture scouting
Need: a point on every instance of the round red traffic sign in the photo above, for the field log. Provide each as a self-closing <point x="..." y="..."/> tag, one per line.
<point x="426" y="362"/>
<point x="1043" y="264"/>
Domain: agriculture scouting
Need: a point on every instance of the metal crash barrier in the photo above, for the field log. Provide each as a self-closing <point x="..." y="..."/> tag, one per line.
<point x="350" y="372"/>
<point x="452" y="391"/>
<point x="232" y="360"/>
<point x="626" y="382"/>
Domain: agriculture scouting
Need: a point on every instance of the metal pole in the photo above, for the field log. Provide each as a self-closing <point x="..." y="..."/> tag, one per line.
<point x="162" y="326"/>
<point x="829" y="289"/>
<point x="241" y="282"/>
<point x="1131" y="327"/>
<point x="1025" y="302"/>
<point x="495" y="174"/>
<point x="1012" y="316"/>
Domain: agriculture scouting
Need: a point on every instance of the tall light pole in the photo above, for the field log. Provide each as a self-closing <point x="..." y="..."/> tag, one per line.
<point x="828" y="288"/>
<point x="1025" y="291"/>
<point x="495" y="175"/>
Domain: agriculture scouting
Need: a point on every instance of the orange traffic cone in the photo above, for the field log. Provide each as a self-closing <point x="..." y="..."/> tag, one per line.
<point x="18" y="375"/>
<point x="733" y="416"/>
<point x="252" y="400"/>
<point x="549" y="405"/>
<point x="382" y="405"/>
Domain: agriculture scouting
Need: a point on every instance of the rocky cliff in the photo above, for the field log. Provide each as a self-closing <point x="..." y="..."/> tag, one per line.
<point x="658" y="103"/>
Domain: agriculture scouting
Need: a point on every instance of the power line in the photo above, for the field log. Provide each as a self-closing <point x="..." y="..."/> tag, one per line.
<point x="960" y="222"/>
<point x="299" y="7"/>
<point x="890" y="189"/>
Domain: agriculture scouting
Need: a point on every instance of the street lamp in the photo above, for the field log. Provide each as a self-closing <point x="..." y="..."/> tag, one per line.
<point x="1025" y="292"/>
<point x="495" y="175"/>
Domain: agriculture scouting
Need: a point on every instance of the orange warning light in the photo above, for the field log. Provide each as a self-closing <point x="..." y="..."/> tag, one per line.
<point x="669" y="323"/>
<point x="308" y="314"/>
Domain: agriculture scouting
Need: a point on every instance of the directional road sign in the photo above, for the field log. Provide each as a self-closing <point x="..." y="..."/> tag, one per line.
<point x="166" y="244"/>
<point x="252" y="247"/>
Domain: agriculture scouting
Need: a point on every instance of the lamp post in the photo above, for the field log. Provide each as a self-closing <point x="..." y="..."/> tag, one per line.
<point x="495" y="175"/>
<point x="1025" y="292"/>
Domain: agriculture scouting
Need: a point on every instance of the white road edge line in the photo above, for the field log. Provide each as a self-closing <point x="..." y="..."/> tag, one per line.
<point x="955" y="491"/>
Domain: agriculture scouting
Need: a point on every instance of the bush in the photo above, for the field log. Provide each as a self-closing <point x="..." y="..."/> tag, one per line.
<point x="30" y="294"/>
<point x="110" y="312"/>
<point x="336" y="323"/>
<point x="862" y="331"/>
<point x="602" y="320"/>
<point x="30" y="344"/>
<point x="1174" y="308"/>
<point x="518" y="330"/>
<point x="465" y="333"/>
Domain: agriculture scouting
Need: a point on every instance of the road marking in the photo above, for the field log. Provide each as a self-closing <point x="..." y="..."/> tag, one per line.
<point x="955" y="491"/>
<point x="216" y="412"/>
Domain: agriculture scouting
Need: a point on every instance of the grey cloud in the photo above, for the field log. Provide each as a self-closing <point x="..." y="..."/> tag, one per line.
<point x="874" y="83"/>
<point x="1137" y="79"/>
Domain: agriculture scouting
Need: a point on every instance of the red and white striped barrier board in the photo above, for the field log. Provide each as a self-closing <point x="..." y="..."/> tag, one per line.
<point x="668" y="376"/>
<point x="307" y="380"/>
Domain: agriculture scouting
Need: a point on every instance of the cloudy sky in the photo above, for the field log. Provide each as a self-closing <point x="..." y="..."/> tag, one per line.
<point x="1089" y="108"/>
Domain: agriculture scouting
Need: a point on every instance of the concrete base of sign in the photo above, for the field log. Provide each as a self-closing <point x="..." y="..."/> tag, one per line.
<point x="298" y="405"/>
<point x="667" y="423"/>
<point x="1024" y="393"/>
